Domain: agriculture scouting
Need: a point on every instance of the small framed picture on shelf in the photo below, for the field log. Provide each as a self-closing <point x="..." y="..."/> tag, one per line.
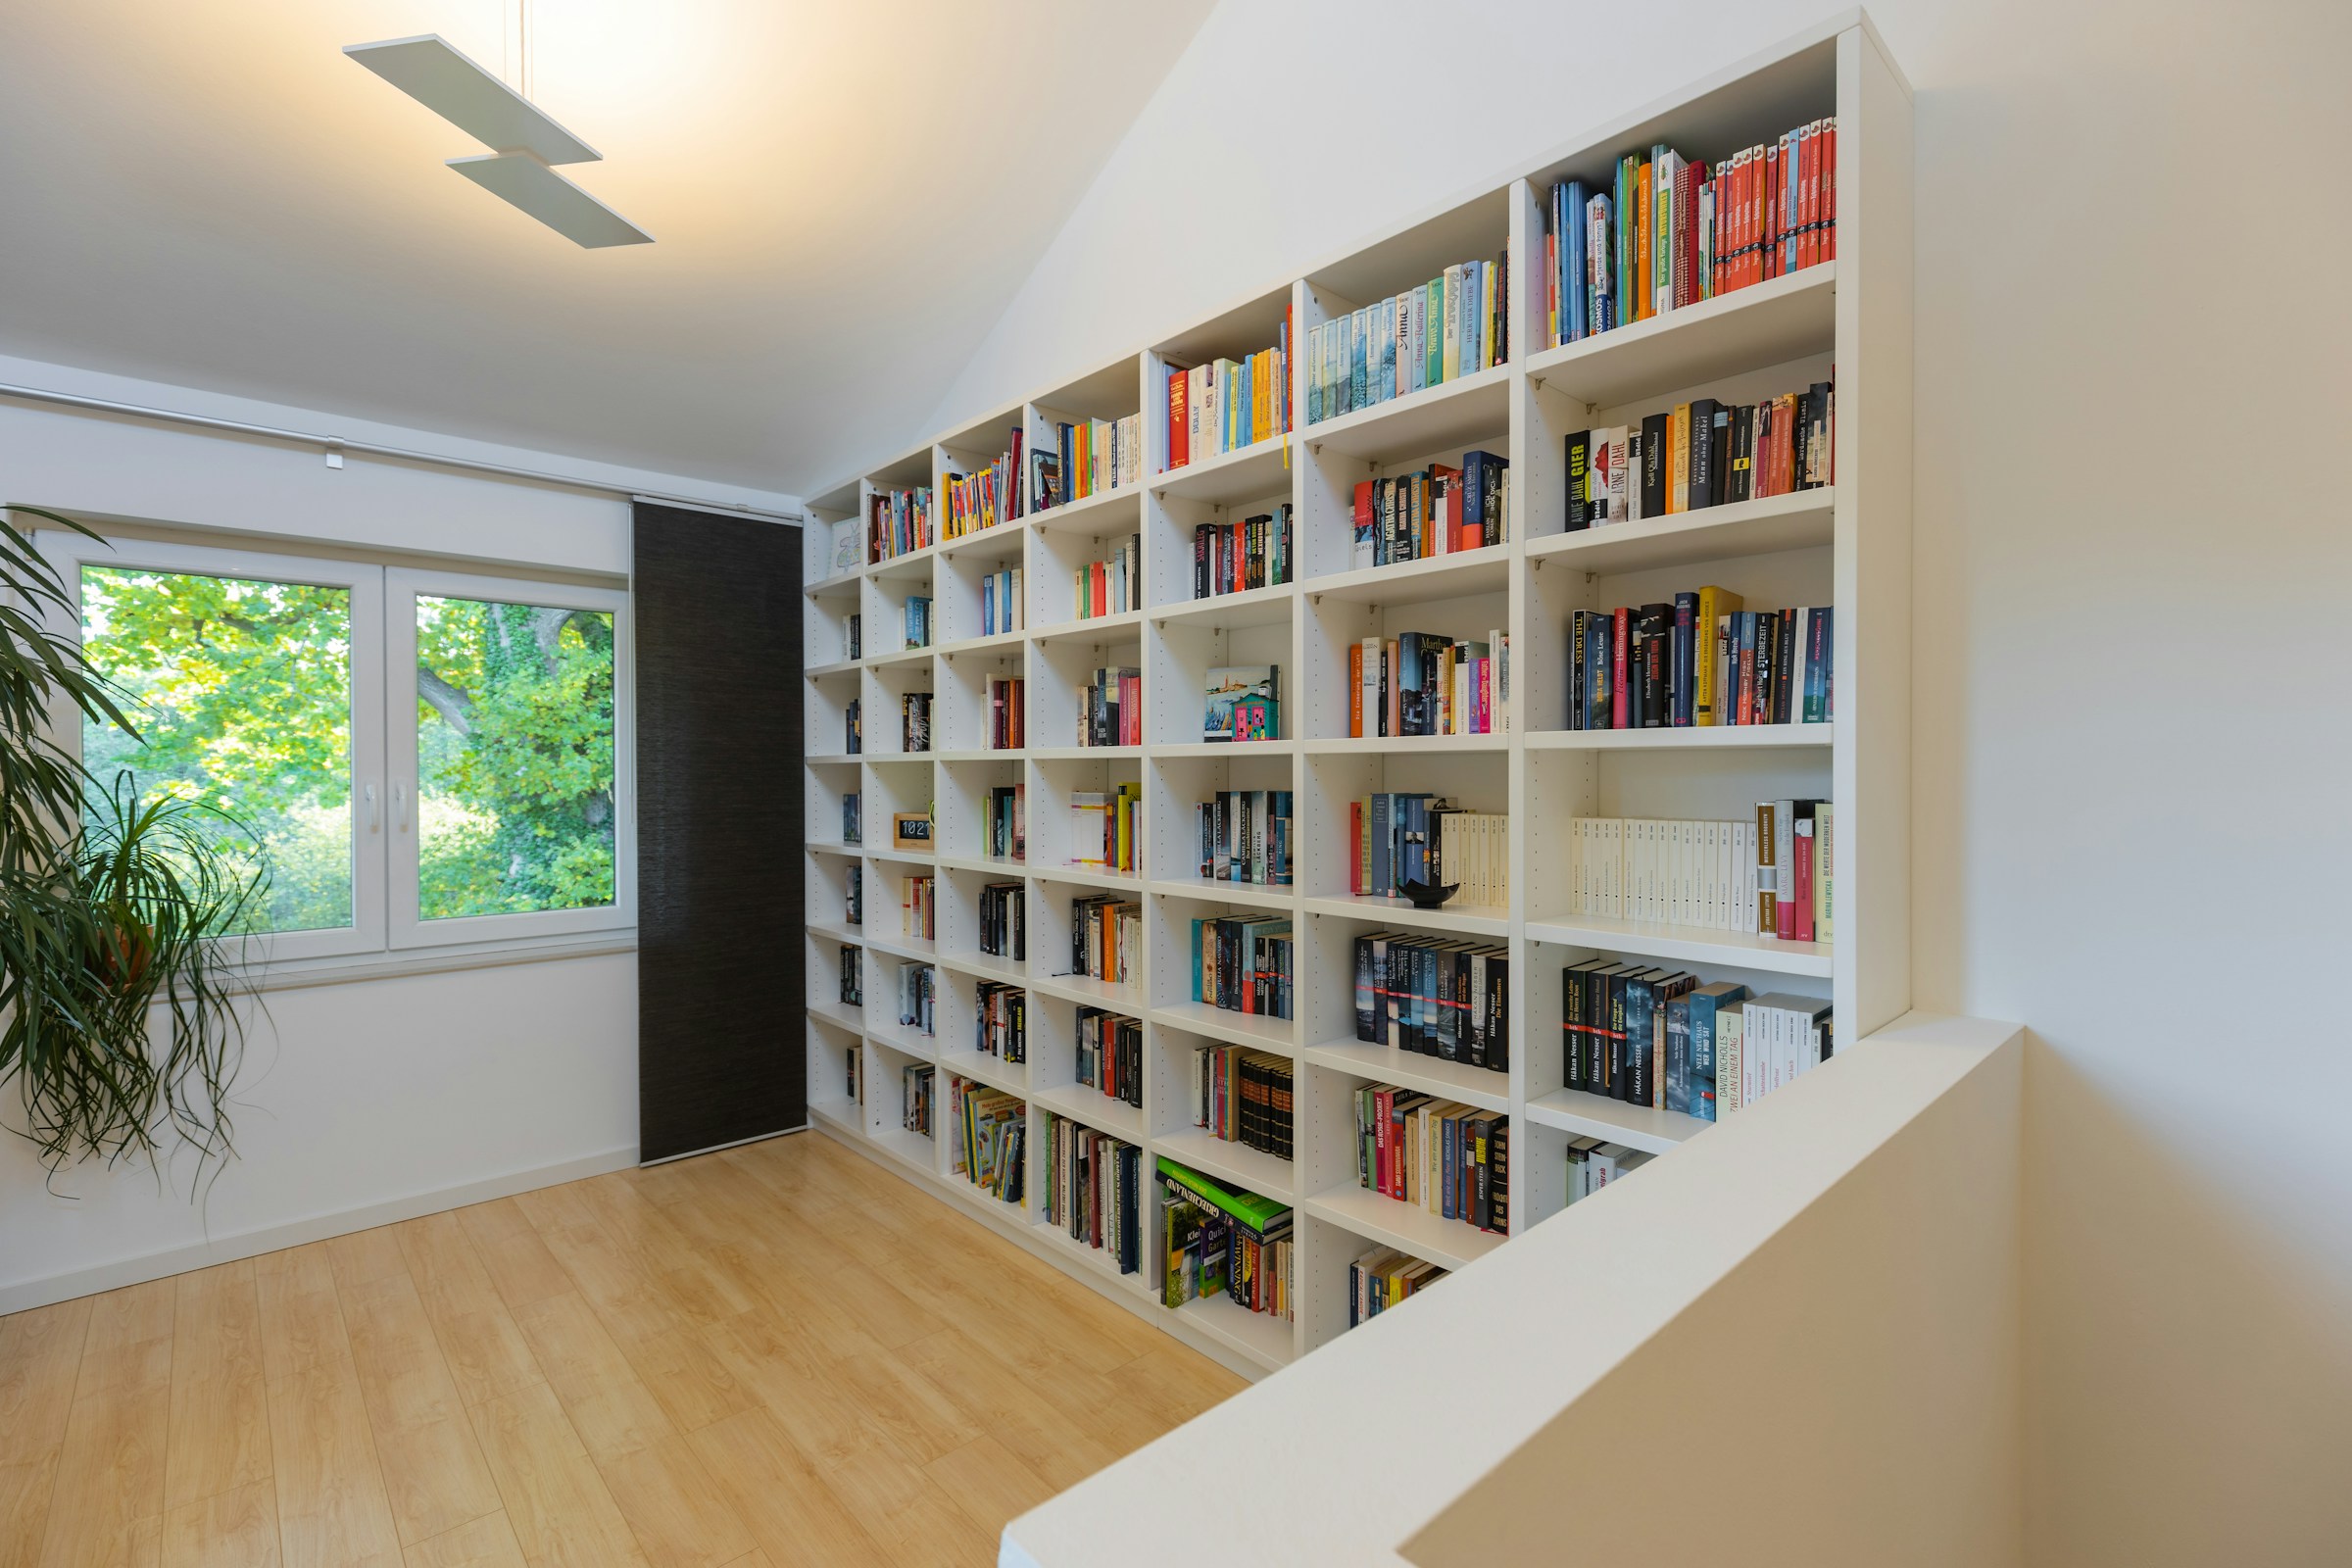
<point x="911" y="831"/>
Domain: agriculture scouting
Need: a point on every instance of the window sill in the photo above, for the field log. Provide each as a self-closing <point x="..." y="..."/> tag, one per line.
<point x="295" y="974"/>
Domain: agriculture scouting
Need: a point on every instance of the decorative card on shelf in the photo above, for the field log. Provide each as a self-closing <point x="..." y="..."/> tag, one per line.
<point x="849" y="542"/>
<point x="1245" y="704"/>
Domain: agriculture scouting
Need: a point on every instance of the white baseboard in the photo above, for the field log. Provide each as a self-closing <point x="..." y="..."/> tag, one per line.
<point x="24" y="1293"/>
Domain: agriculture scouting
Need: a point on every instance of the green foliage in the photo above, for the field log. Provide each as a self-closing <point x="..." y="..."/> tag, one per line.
<point x="515" y="758"/>
<point x="119" y="999"/>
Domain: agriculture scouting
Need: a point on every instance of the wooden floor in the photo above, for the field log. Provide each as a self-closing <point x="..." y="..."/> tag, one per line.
<point x="773" y="1357"/>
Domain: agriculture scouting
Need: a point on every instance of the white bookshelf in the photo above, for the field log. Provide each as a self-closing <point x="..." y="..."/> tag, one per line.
<point x="1846" y="544"/>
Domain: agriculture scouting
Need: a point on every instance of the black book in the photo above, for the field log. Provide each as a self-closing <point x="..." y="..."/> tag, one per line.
<point x="1719" y="458"/>
<point x="1658" y="652"/>
<point x="1739" y="474"/>
<point x="1655" y="470"/>
<point x="1580" y="470"/>
<point x="1499" y="1177"/>
<point x="1821" y="445"/>
<point x="1701" y="491"/>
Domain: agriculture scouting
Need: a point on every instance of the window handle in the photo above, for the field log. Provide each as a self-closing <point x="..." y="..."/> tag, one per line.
<point x="400" y="804"/>
<point x="374" y="812"/>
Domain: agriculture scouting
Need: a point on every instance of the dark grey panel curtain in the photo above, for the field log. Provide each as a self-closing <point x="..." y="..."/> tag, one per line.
<point x="722" y="1033"/>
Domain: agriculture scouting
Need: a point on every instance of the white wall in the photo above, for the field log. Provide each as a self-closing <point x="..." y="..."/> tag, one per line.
<point x="2132" y="728"/>
<point x="365" y="1100"/>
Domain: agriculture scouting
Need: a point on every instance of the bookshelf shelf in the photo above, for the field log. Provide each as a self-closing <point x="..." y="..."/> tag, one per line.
<point x="1280" y="1035"/>
<point x="1794" y="522"/>
<point x="1484" y="570"/>
<point x="1227" y="1161"/>
<point x="1726" y="738"/>
<point x="1083" y="1103"/>
<point x="1406" y="1070"/>
<point x="1244" y="475"/>
<point x="1447" y="1243"/>
<point x="1731" y="950"/>
<point x="1470" y="408"/>
<point x="1264" y="1340"/>
<point x="1769" y="323"/>
<point x="1643" y="1127"/>
<point x="1846" y="545"/>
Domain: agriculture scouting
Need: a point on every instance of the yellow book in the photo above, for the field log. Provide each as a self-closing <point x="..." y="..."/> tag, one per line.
<point x="1678" y="460"/>
<point x="1713" y="604"/>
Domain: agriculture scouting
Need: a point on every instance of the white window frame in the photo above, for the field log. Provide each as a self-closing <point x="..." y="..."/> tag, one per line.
<point x="363" y="584"/>
<point x="402" y="588"/>
<point x="386" y="934"/>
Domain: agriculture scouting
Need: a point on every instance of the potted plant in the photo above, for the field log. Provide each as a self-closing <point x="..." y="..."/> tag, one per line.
<point x="120" y="966"/>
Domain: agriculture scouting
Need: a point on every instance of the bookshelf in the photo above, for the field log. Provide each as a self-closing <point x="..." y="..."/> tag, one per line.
<point x="1846" y="544"/>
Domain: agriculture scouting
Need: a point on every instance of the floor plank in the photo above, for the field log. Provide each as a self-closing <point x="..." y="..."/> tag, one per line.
<point x="780" y="1354"/>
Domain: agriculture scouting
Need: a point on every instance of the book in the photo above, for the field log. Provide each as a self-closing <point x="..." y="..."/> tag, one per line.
<point x="898" y="522"/>
<point x="1093" y="456"/>
<point x="1243" y="964"/>
<point x="1112" y="586"/>
<point x="1093" y="1190"/>
<point x="1383" y="1277"/>
<point x="1235" y="558"/>
<point x="1433" y="997"/>
<point x="1003" y="709"/>
<point x="1001" y="1021"/>
<point x="1003" y="602"/>
<point x="915" y="621"/>
<point x="1110" y="708"/>
<point x="984" y="497"/>
<point x="1226" y="404"/>
<point x="1669" y="872"/>
<point x="1423" y="683"/>
<point x="1244" y="1096"/>
<point x="919" y="908"/>
<point x="1699" y="658"/>
<point x="1456" y="324"/>
<point x="1444" y="1158"/>
<point x="1109" y="1054"/>
<point x="1106" y="937"/>
<point x="1224" y="1240"/>
<point x="1243" y="704"/>
<point x="1003" y="912"/>
<point x="1101" y="827"/>
<point x="914" y="721"/>
<point x="918" y="1097"/>
<point x="1245" y="836"/>
<point x="988" y="1129"/>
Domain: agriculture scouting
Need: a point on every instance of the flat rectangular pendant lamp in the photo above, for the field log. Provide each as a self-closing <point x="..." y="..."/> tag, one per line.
<point x="524" y="140"/>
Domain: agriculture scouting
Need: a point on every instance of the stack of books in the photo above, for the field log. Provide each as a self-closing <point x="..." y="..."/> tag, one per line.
<point x="1380" y="1279"/>
<point x="1110" y="1055"/>
<point x="1006" y="836"/>
<point x="1700" y="662"/>
<point x="1227" y="1241"/>
<point x="1110" y="708"/>
<point x="1004" y="711"/>
<point x="1000" y="1026"/>
<point x="1701" y="453"/>
<point x="1244" y="1097"/>
<point x="1245" y="836"/>
<point x="1098" y="455"/>
<point x="915" y="1097"/>
<point x="1666" y="232"/>
<point x="1656" y="1037"/>
<point x="1427" y="683"/>
<point x="1437" y="511"/>
<point x="1102" y="828"/>
<point x="1236" y="556"/>
<point x="1703" y="874"/>
<point x="1004" y="910"/>
<point x="987" y="1128"/>
<point x="1447" y="1159"/>
<point x="918" y="991"/>
<point x="1095" y="1190"/>
<point x="1227" y="404"/>
<point x="898" y="523"/>
<point x="1399" y="837"/>
<point x="1001" y="609"/>
<point x="1111" y="587"/>
<point x="1592" y="1164"/>
<point x="1435" y="997"/>
<point x="919" y="908"/>
<point x="1456" y="324"/>
<point x="1243" y="964"/>
<point x="985" y="497"/>
<point x="1106" y="938"/>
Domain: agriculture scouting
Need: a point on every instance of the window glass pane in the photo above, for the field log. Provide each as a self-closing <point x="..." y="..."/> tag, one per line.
<point x="241" y="692"/>
<point x="514" y="758"/>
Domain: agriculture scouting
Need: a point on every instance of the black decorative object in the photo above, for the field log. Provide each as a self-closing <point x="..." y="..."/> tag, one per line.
<point x="1424" y="896"/>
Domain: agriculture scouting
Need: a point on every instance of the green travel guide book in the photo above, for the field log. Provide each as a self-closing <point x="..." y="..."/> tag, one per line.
<point x="1258" y="1213"/>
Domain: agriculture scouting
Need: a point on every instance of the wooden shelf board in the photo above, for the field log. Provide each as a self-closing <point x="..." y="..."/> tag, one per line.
<point x="1280" y="1035"/>
<point x="1451" y="1244"/>
<point x="1254" y="1168"/>
<point x="1794" y="521"/>
<point x="1685" y="944"/>
<point x="1765" y="323"/>
<point x="1468" y="409"/>
<point x="1407" y="1069"/>
<point x="1643" y="1127"/>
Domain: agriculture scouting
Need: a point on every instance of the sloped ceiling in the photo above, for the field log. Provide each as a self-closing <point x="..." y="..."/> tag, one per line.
<point x="843" y="197"/>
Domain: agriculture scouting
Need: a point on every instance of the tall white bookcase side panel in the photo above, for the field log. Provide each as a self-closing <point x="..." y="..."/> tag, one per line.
<point x="1847" y="545"/>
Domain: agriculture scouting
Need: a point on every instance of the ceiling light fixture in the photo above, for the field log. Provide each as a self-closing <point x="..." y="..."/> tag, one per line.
<point x="525" y="142"/>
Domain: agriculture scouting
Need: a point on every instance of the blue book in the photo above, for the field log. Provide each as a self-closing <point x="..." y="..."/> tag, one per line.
<point x="1359" y="391"/>
<point x="1572" y="322"/>
<point x="1382" y="828"/>
<point x="1706" y="1007"/>
<point x="1600" y="308"/>
<point x="1678" y="1055"/>
<point x="1385" y="315"/>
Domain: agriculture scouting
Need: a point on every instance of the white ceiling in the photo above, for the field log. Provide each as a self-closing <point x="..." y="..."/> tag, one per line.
<point x="843" y="196"/>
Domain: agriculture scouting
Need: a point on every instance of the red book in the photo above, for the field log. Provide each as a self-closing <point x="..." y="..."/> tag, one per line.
<point x="1446" y="504"/>
<point x="1355" y="690"/>
<point x="1800" y="916"/>
<point x="1621" y="708"/>
<point x="1829" y="190"/>
<point x="1363" y="515"/>
<point x="1179" y="438"/>
<point x="1382" y="1101"/>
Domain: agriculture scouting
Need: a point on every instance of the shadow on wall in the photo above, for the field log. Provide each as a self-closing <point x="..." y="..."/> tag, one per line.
<point x="2164" y="1340"/>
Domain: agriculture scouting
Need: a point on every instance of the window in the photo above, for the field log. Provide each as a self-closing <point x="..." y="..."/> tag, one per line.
<point x="424" y="759"/>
